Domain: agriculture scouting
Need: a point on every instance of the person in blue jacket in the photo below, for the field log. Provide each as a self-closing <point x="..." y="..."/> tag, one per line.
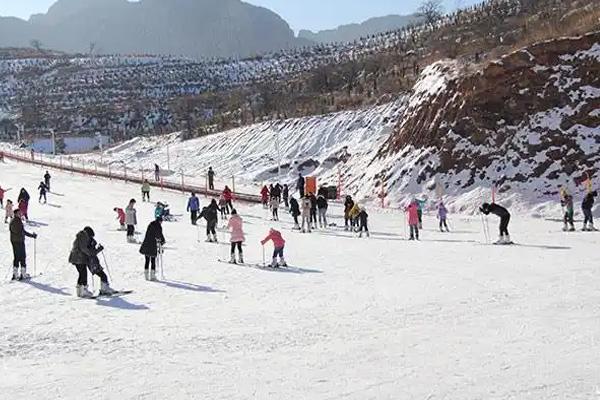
<point x="193" y="207"/>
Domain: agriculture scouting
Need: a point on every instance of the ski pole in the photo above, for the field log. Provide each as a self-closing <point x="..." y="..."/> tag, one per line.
<point x="34" y="256"/>
<point x="107" y="268"/>
<point x="483" y="227"/>
<point x="263" y="254"/>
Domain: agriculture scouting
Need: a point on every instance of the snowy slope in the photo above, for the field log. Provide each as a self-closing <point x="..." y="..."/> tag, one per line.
<point x="445" y="318"/>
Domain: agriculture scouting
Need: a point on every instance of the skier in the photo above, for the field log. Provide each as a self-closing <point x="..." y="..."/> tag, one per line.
<point x="2" y="192"/>
<point x="313" y="210"/>
<point x="222" y="206"/>
<point x="306" y="215"/>
<point x="131" y="220"/>
<point x="23" y="203"/>
<point x="236" y="227"/>
<point x="84" y="255"/>
<point x="264" y="195"/>
<point x="300" y="185"/>
<point x="413" y="219"/>
<point x="146" y="190"/>
<point x="295" y="211"/>
<point x="121" y="217"/>
<point x="279" y="245"/>
<point x="586" y="206"/>
<point x="17" y="239"/>
<point x="228" y="196"/>
<point x="150" y="248"/>
<point x="348" y="205"/>
<point x="276" y="192"/>
<point x="504" y="215"/>
<point x="193" y="206"/>
<point x="443" y="216"/>
<point x="210" y="215"/>
<point x="567" y="203"/>
<point x="322" y="206"/>
<point x="353" y="215"/>
<point x="420" y="207"/>
<point x="47" y="180"/>
<point x="43" y="189"/>
<point x="274" y="203"/>
<point x="156" y="173"/>
<point x="9" y="213"/>
<point x="286" y="196"/>
<point x="363" y="219"/>
<point x="211" y="178"/>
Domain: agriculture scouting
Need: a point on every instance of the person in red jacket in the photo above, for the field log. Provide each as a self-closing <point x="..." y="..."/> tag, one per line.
<point x="264" y="195"/>
<point x="279" y="245"/>
<point x="228" y="196"/>
<point x="413" y="219"/>
<point x="121" y="217"/>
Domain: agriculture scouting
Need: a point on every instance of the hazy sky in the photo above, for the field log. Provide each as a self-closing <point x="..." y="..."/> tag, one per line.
<point x="299" y="13"/>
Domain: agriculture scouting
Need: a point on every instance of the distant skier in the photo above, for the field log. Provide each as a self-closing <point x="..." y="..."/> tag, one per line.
<point x="413" y="219"/>
<point x="131" y="220"/>
<point x="286" y="196"/>
<point x="313" y="210"/>
<point x="274" y="204"/>
<point x="17" y="240"/>
<point x="161" y="210"/>
<point x="236" y="228"/>
<point x="504" y="215"/>
<point x="420" y="207"/>
<point x="210" y="214"/>
<point x="295" y="211"/>
<point x="2" y="192"/>
<point x="211" y="178"/>
<point x="322" y="206"/>
<point x="47" y="180"/>
<point x="276" y="192"/>
<point x="23" y="203"/>
<point x="567" y="203"/>
<point x="156" y="173"/>
<point x="300" y="183"/>
<point x="443" y="216"/>
<point x="264" y="196"/>
<point x="121" y="217"/>
<point x="228" y="196"/>
<point x="306" y="226"/>
<point x="586" y="206"/>
<point x="222" y="206"/>
<point x="43" y="190"/>
<point x="146" y="190"/>
<point x="279" y="245"/>
<point x="353" y="215"/>
<point x="8" y="211"/>
<point x="84" y="256"/>
<point x="193" y="206"/>
<point x="363" y="220"/>
<point x="348" y="205"/>
<point x="153" y="240"/>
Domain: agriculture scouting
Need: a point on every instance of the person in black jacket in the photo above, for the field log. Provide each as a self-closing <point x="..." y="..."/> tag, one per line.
<point x="43" y="190"/>
<point x="363" y="219"/>
<point x="17" y="239"/>
<point x="313" y="210"/>
<point x="504" y="215"/>
<point x="300" y="185"/>
<point x="47" y="180"/>
<point x="295" y="211"/>
<point x="150" y="247"/>
<point x="210" y="214"/>
<point x="348" y="205"/>
<point x="586" y="207"/>
<point x="322" y="206"/>
<point x="84" y="255"/>
<point x="286" y="196"/>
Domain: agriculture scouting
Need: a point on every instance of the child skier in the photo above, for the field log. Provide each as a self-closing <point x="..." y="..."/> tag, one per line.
<point x="236" y="228"/>
<point x="286" y="196"/>
<point x="193" y="206"/>
<point x="413" y="219"/>
<point x="306" y="215"/>
<point x="295" y="211"/>
<point x="228" y="196"/>
<point x="274" y="204"/>
<point x="586" y="206"/>
<point x="17" y="239"/>
<point x="443" y="215"/>
<point x="153" y="241"/>
<point x="23" y="203"/>
<point x="210" y="215"/>
<point x="322" y="206"/>
<point x="131" y="220"/>
<point x="223" y="207"/>
<point x="9" y="213"/>
<point x="279" y="245"/>
<point x="47" y="180"/>
<point x="363" y="218"/>
<point x="504" y="220"/>
<point x="264" y="195"/>
<point x="43" y="189"/>
<point x="567" y="203"/>
<point x="121" y="217"/>
<point x="146" y="190"/>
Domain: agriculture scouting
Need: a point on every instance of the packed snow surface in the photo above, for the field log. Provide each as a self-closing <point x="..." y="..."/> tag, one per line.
<point x="381" y="318"/>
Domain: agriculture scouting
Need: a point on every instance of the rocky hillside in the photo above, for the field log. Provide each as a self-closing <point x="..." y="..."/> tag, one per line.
<point x="527" y="122"/>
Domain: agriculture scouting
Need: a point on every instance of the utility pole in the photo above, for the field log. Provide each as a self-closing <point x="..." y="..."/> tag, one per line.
<point x="53" y="142"/>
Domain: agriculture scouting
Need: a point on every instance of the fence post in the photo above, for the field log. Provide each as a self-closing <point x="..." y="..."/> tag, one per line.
<point x="125" y="172"/>
<point x="109" y="173"/>
<point x="142" y="173"/>
<point x="182" y="183"/>
<point x="233" y="183"/>
<point x="96" y="168"/>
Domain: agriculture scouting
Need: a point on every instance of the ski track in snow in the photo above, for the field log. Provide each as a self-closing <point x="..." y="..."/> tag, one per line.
<point x="379" y="318"/>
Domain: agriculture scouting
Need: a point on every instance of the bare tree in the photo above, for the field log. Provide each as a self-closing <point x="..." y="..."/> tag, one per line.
<point x="431" y="11"/>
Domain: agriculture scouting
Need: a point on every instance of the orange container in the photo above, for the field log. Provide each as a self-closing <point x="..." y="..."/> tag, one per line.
<point x="310" y="184"/>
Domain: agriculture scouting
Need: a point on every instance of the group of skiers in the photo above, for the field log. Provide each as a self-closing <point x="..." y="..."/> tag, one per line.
<point x="566" y="202"/>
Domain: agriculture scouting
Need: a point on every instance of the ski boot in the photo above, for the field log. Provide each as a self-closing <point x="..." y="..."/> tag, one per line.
<point x="215" y="238"/>
<point x="106" y="290"/>
<point x="241" y="258"/>
<point x="147" y="274"/>
<point x="208" y="239"/>
<point x="24" y="275"/>
<point x="83" y="292"/>
<point x="15" y="275"/>
<point x="282" y="263"/>
<point x="153" y="276"/>
<point x="274" y="263"/>
<point x="572" y="228"/>
<point x="232" y="260"/>
<point x="585" y="228"/>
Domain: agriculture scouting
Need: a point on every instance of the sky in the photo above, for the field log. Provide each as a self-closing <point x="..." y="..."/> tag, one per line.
<point x="300" y="14"/>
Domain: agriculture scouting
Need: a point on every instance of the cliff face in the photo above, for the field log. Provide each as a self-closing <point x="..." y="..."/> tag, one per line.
<point x="529" y="121"/>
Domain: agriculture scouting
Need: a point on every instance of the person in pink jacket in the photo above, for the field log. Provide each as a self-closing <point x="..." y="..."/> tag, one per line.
<point x="236" y="228"/>
<point x="121" y="217"/>
<point x="413" y="219"/>
<point x="279" y="245"/>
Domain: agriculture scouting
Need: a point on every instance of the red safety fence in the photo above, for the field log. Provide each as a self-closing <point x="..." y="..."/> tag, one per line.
<point x="124" y="176"/>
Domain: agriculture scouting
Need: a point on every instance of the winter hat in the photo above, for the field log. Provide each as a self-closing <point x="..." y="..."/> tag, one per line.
<point x="234" y="212"/>
<point x="89" y="231"/>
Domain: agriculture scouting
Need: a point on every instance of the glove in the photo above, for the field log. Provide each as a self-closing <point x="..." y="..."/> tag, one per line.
<point x="100" y="249"/>
<point x="35" y="235"/>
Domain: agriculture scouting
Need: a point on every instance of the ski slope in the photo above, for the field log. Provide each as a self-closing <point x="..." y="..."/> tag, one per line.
<point x="378" y="318"/>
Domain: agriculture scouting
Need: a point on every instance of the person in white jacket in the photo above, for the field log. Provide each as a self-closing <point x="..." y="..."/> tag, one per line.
<point x="131" y="220"/>
<point x="306" y="206"/>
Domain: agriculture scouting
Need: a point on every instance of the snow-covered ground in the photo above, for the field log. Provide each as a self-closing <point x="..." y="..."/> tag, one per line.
<point x="378" y="318"/>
